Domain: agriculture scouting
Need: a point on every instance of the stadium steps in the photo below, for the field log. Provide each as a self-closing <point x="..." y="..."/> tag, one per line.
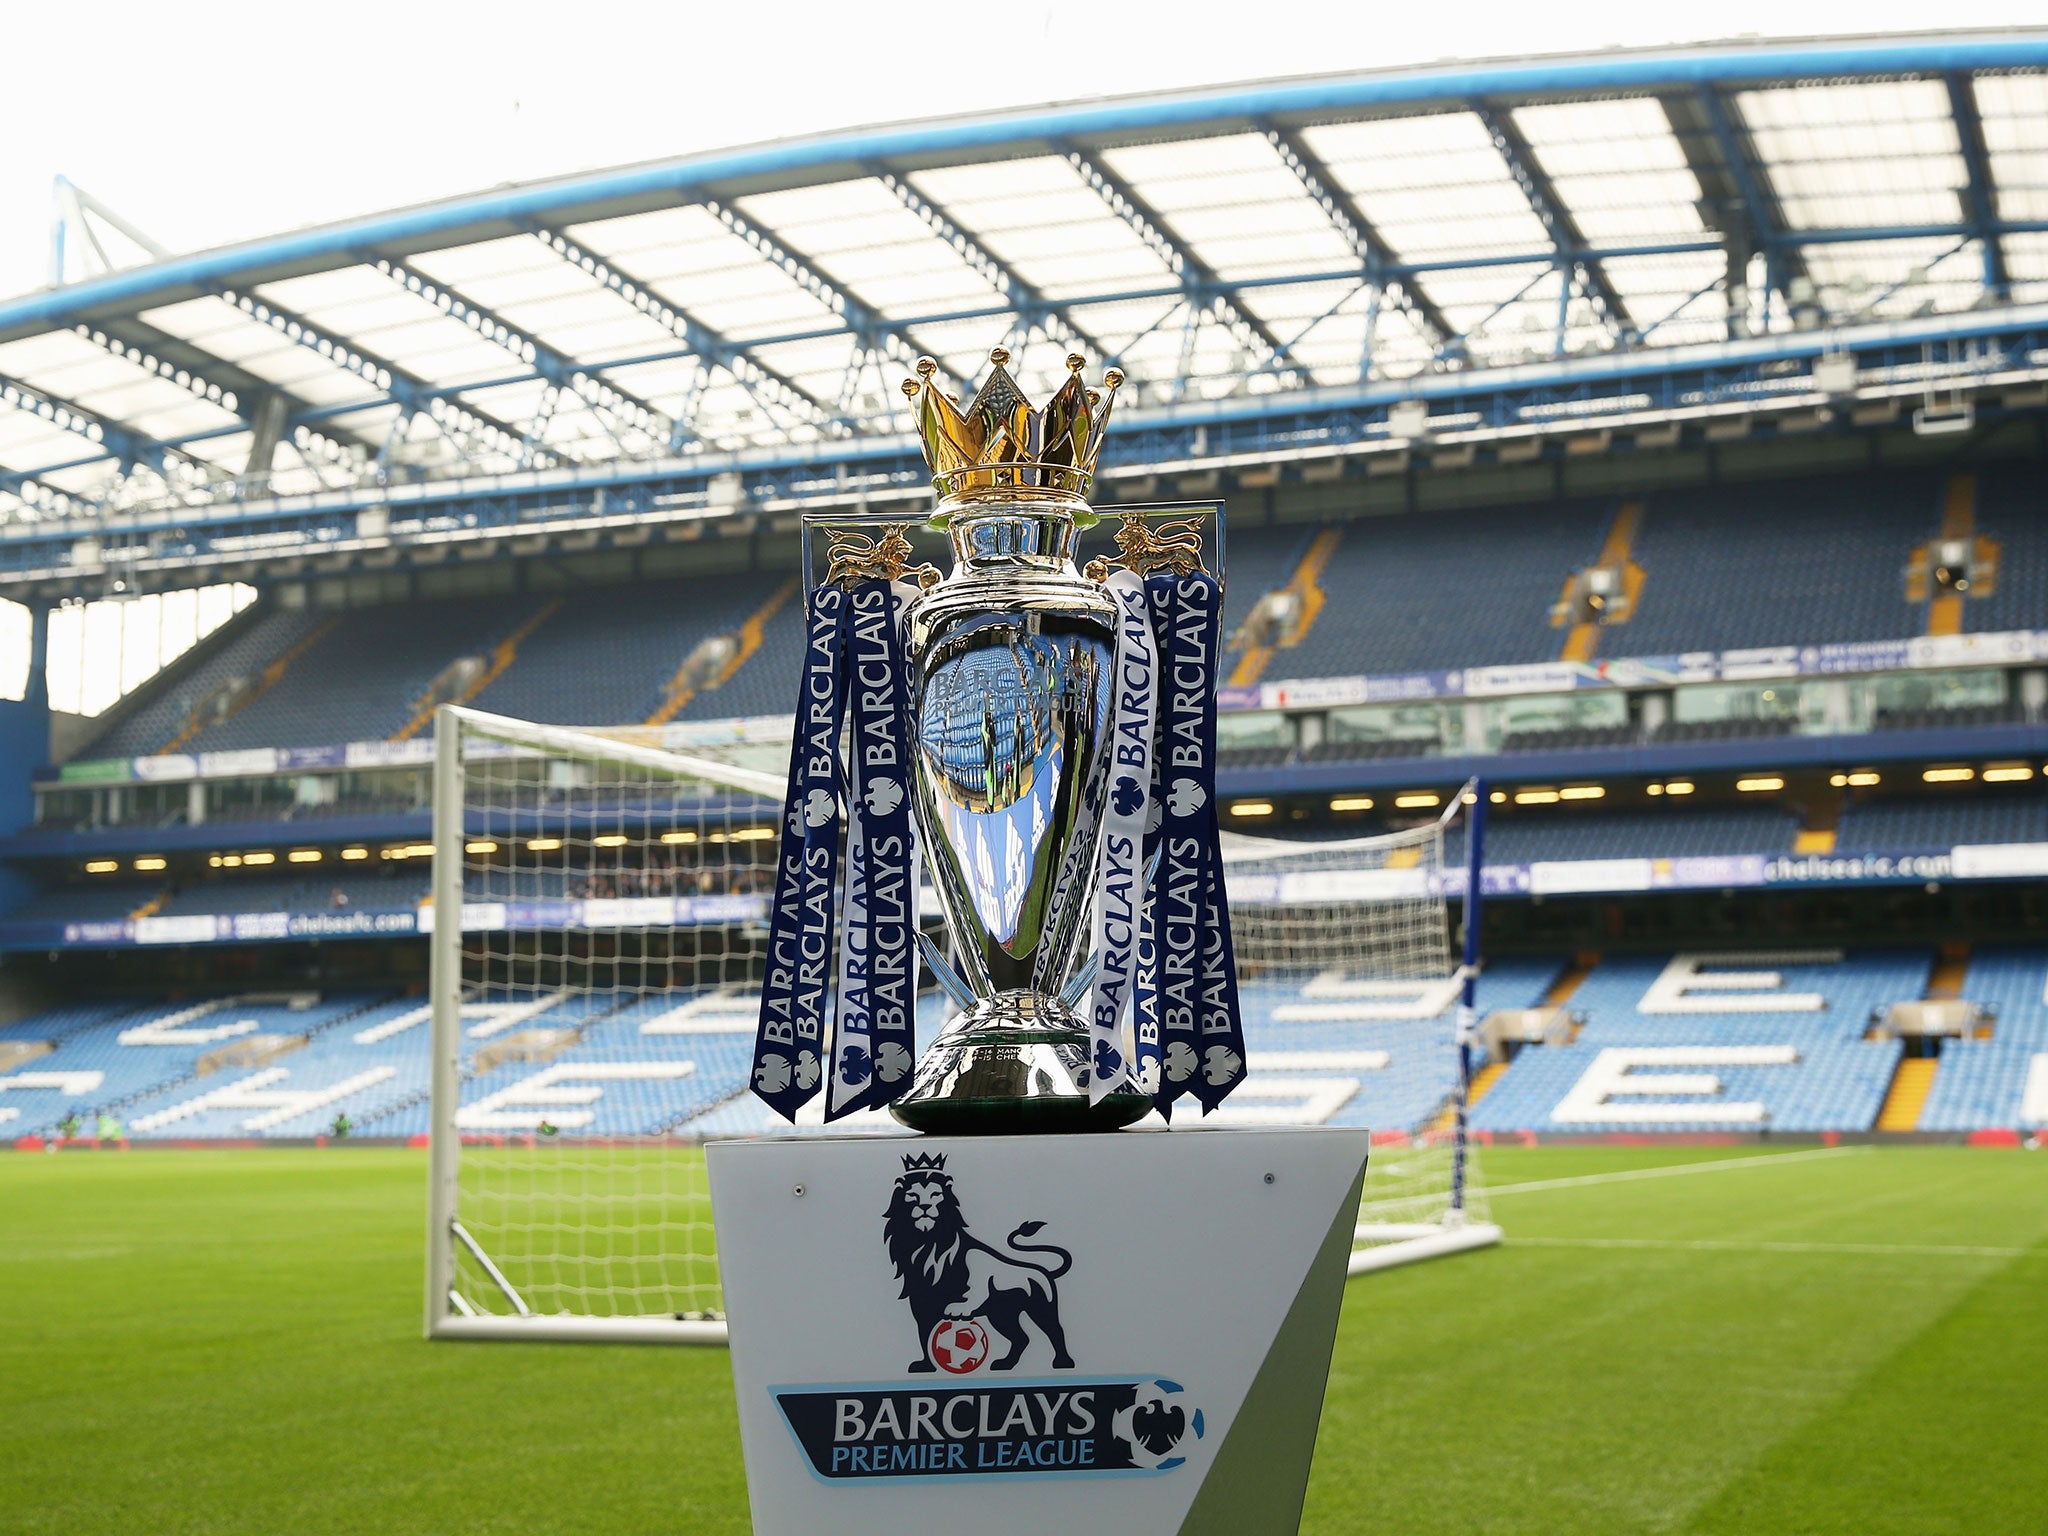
<point x="1616" y="551"/>
<point x="1822" y="828"/>
<point x="1907" y="1095"/>
<point x="1945" y="979"/>
<point x="1571" y="978"/>
<point x="1483" y="1083"/>
<point x="503" y="654"/>
<point x="1306" y="585"/>
<point x="1958" y="521"/>
<point x="273" y="674"/>
<point x="677" y="695"/>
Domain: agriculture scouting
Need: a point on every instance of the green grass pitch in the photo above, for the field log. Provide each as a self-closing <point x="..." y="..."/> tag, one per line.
<point x="1852" y="1340"/>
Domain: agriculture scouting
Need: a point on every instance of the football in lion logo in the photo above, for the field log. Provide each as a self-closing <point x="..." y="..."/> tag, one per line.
<point x="949" y="1275"/>
<point x="957" y="1348"/>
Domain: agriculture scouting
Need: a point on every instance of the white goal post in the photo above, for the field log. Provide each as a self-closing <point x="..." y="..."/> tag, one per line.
<point x="597" y="908"/>
<point x="596" y="934"/>
<point x="1357" y="934"/>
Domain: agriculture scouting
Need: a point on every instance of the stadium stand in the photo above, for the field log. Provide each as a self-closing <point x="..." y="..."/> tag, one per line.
<point x="362" y="678"/>
<point x="132" y="1055"/>
<point x="387" y="888"/>
<point x="1752" y="1060"/>
<point x="1425" y="591"/>
<point x="242" y="651"/>
<point x="1631" y="834"/>
<point x="1936" y="826"/>
<point x="1806" y="562"/>
<point x="171" y="1071"/>
<point x="606" y="656"/>
<point x="2009" y="511"/>
<point x="1984" y="1082"/>
<point x="90" y="903"/>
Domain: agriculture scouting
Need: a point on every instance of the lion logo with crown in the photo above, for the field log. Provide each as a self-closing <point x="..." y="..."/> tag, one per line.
<point x="949" y="1275"/>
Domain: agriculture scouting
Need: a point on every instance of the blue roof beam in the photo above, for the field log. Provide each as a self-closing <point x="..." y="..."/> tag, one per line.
<point x="1550" y="208"/>
<point x="410" y="392"/>
<point x="776" y="393"/>
<point x="1752" y="220"/>
<point x="1206" y="292"/>
<point x="1032" y="307"/>
<point x="216" y="382"/>
<point x="111" y="439"/>
<point x="1981" y="194"/>
<point x="869" y="331"/>
<point x="609" y="403"/>
<point x="1375" y="256"/>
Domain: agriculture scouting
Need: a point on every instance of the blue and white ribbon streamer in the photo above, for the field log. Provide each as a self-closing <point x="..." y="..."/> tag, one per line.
<point x="877" y="994"/>
<point x="1120" y="872"/>
<point x="1219" y="1049"/>
<point x="789" y="1045"/>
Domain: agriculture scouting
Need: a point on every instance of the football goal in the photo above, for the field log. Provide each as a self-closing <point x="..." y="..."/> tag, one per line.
<point x="1347" y="953"/>
<point x="597" y="930"/>
<point x="599" y="917"/>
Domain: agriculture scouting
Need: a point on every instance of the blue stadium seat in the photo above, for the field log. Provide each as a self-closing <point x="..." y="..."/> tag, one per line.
<point x="245" y="651"/>
<point x="1806" y="562"/>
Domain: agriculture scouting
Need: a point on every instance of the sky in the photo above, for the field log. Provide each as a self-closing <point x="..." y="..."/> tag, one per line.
<point x="207" y="123"/>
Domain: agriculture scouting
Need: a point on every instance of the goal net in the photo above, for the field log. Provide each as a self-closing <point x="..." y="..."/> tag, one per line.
<point x="1352" y="983"/>
<point x="599" y="917"/>
<point x="597" y="932"/>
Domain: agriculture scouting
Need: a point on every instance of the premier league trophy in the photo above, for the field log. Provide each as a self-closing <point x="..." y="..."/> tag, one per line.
<point x="1054" y="733"/>
<point x="1060" y="1331"/>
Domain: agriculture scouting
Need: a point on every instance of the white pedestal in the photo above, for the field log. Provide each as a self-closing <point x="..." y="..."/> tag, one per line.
<point x="898" y="1379"/>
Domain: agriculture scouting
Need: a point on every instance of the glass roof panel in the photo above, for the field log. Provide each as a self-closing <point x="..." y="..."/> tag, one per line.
<point x="372" y="311"/>
<point x="1433" y="185"/>
<point x="1235" y="205"/>
<point x="71" y="368"/>
<point x="1883" y="280"/>
<point x="1674" y="300"/>
<point x="1853" y="154"/>
<point x="1054" y="232"/>
<point x="29" y="442"/>
<point x="704" y="269"/>
<point x="2014" y="109"/>
<point x="2026" y="264"/>
<point x="1618" y="168"/>
<point x="527" y="285"/>
<point x="215" y="326"/>
<point x="886" y="256"/>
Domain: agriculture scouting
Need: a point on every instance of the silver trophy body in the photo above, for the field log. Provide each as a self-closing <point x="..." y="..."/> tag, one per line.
<point x="1012" y="663"/>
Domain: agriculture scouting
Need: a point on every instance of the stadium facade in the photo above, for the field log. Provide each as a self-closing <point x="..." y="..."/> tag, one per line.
<point x="1658" y="436"/>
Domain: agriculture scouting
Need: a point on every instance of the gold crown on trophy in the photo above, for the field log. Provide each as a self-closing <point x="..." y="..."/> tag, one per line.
<point x="999" y="445"/>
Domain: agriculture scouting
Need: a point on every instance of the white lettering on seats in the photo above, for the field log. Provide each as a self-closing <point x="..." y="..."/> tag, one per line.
<point x="552" y="1093"/>
<point x="1286" y="1100"/>
<point x="729" y="1010"/>
<point x="496" y="1018"/>
<point x="180" y="1028"/>
<point x="1337" y="997"/>
<point x="1614" y="1072"/>
<point x="276" y="1105"/>
<point x="1684" y="987"/>
<point x="2034" y="1102"/>
<point x="492" y="1018"/>
<point x="73" y="1085"/>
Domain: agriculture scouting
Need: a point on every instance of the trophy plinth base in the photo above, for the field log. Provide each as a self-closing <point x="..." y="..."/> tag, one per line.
<point x="1012" y="1065"/>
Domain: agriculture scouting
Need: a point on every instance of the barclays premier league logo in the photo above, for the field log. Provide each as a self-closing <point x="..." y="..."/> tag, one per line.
<point x="961" y="1289"/>
<point x="978" y="1309"/>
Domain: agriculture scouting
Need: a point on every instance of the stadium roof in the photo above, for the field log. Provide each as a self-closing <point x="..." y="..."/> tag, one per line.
<point x="1277" y="253"/>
